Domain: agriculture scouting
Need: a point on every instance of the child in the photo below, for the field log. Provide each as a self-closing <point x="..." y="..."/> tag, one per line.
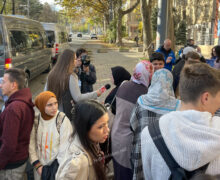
<point x="50" y="133"/>
<point x="157" y="60"/>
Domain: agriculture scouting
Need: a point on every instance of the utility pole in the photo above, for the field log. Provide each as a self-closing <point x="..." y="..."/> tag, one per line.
<point x="213" y="23"/>
<point x="162" y="22"/>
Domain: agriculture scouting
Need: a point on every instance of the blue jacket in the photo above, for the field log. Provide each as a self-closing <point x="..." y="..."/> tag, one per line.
<point x="166" y="55"/>
<point x="211" y="61"/>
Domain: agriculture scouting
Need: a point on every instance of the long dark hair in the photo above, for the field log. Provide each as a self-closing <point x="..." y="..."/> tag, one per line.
<point x="86" y="113"/>
<point x="58" y="78"/>
<point x="217" y="51"/>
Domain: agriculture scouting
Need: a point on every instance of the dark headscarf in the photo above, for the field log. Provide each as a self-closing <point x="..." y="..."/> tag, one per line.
<point x="120" y="74"/>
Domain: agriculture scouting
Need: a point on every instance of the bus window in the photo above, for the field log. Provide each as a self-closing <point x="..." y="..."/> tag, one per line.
<point x="36" y="40"/>
<point x="20" y="42"/>
<point x="51" y="37"/>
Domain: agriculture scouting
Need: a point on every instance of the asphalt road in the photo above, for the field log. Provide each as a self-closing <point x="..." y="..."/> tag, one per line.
<point x="102" y="61"/>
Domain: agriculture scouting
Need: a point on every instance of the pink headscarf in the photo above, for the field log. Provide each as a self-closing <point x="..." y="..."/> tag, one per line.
<point x="143" y="73"/>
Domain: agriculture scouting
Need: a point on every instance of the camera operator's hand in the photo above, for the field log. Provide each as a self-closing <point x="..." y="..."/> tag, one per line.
<point x="86" y="69"/>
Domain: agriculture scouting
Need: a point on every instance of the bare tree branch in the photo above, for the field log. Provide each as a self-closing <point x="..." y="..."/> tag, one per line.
<point x="131" y="8"/>
<point x="3" y="7"/>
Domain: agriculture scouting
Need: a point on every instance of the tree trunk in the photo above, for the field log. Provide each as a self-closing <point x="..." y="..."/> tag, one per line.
<point x="119" y="29"/>
<point x="147" y="30"/>
<point x="170" y="33"/>
<point x="106" y="23"/>
<point x="13" y="7"/>
<point x="3" y="7"/>
<point x="120" y="14"/>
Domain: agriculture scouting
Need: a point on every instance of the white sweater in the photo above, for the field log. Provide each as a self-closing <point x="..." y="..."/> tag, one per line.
<point x="192" y="137"/>
<point x="50" y="144"/>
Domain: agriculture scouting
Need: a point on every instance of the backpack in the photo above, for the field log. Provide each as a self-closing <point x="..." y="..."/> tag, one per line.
<point x="59" y="120"/>
<point x="177" y="172"/>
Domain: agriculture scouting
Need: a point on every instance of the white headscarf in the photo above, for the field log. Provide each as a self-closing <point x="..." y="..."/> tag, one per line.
<point x="160" y="97"/>
<point x="143" y="73"/>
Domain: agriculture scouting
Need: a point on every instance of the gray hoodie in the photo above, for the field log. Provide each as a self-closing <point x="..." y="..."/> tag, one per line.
<point x="192" y="137"/>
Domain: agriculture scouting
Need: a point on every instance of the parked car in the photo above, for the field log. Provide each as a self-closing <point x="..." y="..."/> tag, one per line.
<point x="58" y="38"/>
<point x="23" y="44"/>
<point x="70" y="37"/>
<point x="79" y="35"/>
<point x="93" y="36"/>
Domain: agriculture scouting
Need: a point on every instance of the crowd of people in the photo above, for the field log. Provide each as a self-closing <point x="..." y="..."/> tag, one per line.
<point x="165" y="123"/>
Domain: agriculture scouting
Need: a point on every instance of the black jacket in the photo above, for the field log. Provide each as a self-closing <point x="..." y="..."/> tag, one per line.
<point x="49" y="172"/>
<point x="119" y="74"/>
<point x="176" y="73"/>
<point x="87" y="80"/>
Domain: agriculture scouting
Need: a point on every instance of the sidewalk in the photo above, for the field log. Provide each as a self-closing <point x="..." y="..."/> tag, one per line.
<point x="131" y="43"/>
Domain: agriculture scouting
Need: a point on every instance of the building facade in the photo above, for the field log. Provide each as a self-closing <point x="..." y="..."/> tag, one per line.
<point x="132" y="20"/>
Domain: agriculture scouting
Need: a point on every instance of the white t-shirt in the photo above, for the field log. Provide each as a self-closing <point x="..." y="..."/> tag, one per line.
<point x="50" y="142"/>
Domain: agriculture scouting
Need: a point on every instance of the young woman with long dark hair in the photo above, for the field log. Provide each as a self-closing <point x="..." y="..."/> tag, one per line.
<point x="83" y="158"/>
<point x="63" y="82"/>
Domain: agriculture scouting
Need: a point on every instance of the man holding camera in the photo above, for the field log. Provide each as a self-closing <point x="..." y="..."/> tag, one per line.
<point x="85" y="71"/>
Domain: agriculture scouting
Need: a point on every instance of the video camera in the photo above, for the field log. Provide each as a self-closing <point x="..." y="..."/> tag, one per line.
<point x="85" y="60"/>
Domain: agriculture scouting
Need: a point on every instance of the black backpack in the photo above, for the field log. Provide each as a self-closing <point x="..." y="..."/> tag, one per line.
<point x="177" y="172"/>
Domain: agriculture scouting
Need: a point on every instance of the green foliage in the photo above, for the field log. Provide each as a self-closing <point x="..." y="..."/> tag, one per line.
<point x="80" y="28"/>
<point x="35" y="9"/>
<point x="140" y="27"/>
<point x="181" y="33"/>
<point x="124" y="32"/>
<point x="154" y="20"/>
<point x="112" y="31"/>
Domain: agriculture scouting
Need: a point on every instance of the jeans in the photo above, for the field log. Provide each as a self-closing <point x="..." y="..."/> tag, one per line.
<point x="29" y="171"/>
<point x="13" y="174"/>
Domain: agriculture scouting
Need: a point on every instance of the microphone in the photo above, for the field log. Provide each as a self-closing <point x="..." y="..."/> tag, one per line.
<point x="104" y="88"/>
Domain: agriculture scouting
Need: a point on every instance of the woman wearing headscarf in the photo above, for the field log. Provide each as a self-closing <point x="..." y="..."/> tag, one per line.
<point x="159" y="100"/>
<point x="126" y="98"/>
<point x="49" y="135"/>
<point x="119" y="74"/>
